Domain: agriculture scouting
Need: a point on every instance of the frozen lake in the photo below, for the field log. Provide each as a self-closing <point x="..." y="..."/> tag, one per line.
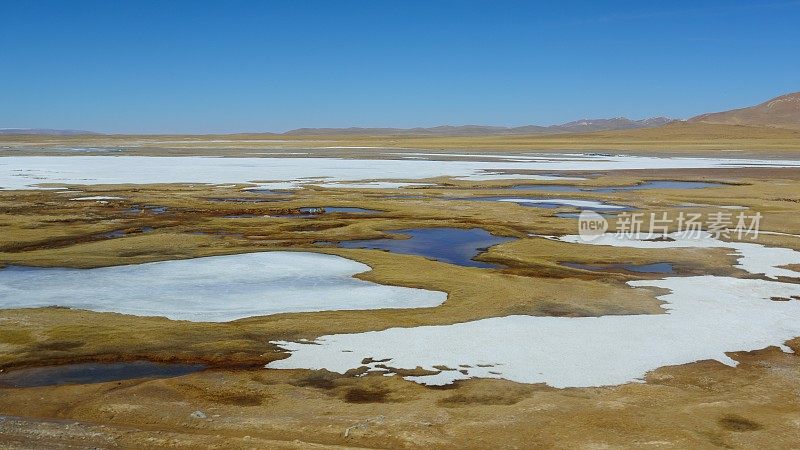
<point x="552" y="203"/>
<point x="26" y="172"/>
<point x="211" y="289"/>
<point x="704" y="318"/>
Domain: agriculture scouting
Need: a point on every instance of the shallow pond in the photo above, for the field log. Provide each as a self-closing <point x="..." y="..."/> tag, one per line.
<point x="452" y="245"/>
<point x="143" y="209"/>
<point x="657" y="184"/>
<point x="638" y="268"/>
<point x="663" y="184"/>
<point x="85" y="373"/>
<point x="122" y="233"/>
<point x="211" y="289"/>
<point x="266" y="191"/>
<point x="342" y="209"/>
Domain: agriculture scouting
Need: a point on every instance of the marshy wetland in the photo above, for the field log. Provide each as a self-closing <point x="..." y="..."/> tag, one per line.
<point x="391" y="298"/>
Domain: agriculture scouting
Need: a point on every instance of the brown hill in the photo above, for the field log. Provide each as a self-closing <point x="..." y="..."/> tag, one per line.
<point x="780" y="112"/>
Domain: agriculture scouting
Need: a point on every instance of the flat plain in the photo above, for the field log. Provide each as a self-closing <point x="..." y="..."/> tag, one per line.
<point x="746" y="398"/>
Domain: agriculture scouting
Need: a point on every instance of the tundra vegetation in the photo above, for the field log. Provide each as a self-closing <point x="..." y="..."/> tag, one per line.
<point x="235" y="402"/>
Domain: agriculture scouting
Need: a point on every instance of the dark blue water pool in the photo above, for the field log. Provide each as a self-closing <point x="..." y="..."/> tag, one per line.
<point x="267" y="191"/>
<point x="342" y="209"/>
<point x="452" y="245"/>
<point x="662" y="184"/>
<point x="85" y="373"/>
<point x="657" y="184"/>
<point x="638" y="268"/>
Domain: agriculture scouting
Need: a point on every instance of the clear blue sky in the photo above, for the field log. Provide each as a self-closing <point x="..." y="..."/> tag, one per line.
<point x="227" y="66"/>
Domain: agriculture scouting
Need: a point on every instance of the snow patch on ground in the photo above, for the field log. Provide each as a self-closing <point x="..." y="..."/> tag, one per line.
<point x="26" y="172"/>
<point x="704" y="318"/>
<point x="211" y="289"/>
<point x="754" y="258"/>
<point x="97" y="197"/>
<point x="589" y="204"/>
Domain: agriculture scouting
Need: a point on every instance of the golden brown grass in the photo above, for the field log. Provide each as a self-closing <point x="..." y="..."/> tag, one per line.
<point x="674" y="138"/>
<point x="698" y="405"/>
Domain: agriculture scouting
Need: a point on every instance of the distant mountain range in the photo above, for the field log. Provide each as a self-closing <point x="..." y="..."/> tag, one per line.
<point x="578" y="126"/>
<point x="779" y="112"/>
<point x="44" y="131"/>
